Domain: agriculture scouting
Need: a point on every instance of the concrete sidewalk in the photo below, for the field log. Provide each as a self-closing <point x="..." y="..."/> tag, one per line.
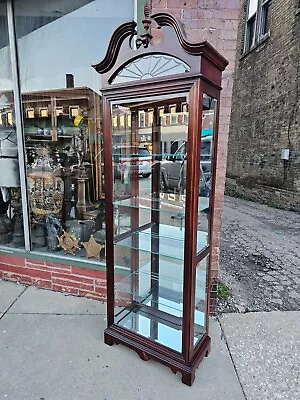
<point x="52" y="348"/>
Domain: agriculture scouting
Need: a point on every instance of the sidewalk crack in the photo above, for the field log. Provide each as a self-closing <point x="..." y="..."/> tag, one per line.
<point x="19" y="295"/>
<point x="223" y="337"/>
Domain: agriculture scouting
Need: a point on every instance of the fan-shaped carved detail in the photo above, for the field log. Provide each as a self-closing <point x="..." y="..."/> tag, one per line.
<point x="151" y="66"/>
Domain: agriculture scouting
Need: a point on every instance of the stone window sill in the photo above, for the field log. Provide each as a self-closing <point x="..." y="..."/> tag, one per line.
<point x="59" y="259"/>
<point x="262" y="40"/>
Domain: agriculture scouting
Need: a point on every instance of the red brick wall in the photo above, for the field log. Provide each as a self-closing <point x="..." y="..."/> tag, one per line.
<point x="217" y="22"/>
<point x="62" y="278"/>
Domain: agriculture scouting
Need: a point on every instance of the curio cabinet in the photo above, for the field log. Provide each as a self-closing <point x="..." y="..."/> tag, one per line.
<point x="160" y="124"/>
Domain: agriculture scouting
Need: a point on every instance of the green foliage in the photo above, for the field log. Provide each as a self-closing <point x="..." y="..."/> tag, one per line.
<point x="223" y="291"/>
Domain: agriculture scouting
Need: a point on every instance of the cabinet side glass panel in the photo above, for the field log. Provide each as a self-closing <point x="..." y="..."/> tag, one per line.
<point x="206" y="170"/>
<point x="200" y="300"/>
<point x="149" y="170"/>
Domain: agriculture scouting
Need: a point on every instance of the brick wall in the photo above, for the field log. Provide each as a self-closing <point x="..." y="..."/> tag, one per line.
<point x="266" y="106"/>
<point x="274" y="197"/>
<point x="62" y="278"/>
<point x="217" y="22"/>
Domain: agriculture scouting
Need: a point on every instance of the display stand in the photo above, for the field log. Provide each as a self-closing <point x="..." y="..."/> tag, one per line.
<point x="158" y="229"/>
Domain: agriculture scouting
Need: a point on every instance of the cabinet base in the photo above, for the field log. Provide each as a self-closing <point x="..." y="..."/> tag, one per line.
<point x="147" y="350"/>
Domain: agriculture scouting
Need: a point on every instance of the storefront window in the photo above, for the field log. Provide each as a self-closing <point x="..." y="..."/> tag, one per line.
<point x="11" y="220"/>
<point x="58" y="42"/>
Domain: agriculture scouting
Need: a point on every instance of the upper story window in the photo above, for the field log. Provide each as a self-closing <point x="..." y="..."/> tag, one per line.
<point x="265" y="17"/>
<point x="142" y="119"/>
<point x="258" y="22"/>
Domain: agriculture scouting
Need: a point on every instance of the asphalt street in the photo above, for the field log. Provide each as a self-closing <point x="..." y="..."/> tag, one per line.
<point x="260" y="257"/>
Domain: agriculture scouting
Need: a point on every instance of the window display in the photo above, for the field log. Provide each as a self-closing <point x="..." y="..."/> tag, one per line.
<point x="65" y="170"/>
<point x="61" y="104"/>
<point x="159" y="194"/>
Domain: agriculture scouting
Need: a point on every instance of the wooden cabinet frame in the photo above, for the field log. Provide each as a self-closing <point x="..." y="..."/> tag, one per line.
<point x="204" y="76"/>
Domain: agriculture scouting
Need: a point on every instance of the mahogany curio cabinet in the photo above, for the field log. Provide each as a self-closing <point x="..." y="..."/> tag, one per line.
<point x="160" y="127"/>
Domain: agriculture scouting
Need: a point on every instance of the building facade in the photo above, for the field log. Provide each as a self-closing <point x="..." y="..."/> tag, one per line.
<point x="50" y="104"/>
<point x="264" y="146"/>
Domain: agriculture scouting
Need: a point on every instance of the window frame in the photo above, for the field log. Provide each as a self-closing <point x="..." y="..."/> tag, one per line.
<point x="142" y="119"/>
<point x="257" y="23"/>
<point x="265" y="18"/>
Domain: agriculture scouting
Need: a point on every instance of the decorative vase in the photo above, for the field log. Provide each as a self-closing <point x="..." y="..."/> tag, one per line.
<point x="46" y="187"/>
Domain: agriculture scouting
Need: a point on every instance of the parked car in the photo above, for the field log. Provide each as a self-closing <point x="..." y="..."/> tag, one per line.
<point x="206" y="154"/>
<point x="126" y="160"/>
<point x="173" y="174"/>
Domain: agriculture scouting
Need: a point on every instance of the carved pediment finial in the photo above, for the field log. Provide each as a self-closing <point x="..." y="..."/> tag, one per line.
<point x="146" y="37"/>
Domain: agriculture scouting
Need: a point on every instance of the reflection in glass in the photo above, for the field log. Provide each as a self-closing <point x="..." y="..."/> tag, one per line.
<point x="149" y="162"/>
<point x="62" y="119"/>
<point x="206" y="169"/>
<point x="65" y="170"/>
<point x="11" y="218"/>
<point x="149" y="198"/>
<point x="200" y="300"/>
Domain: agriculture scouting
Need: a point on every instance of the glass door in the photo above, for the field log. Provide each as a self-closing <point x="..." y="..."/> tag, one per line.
<point x="149" y="170"/>
<point x="209" y="109"/>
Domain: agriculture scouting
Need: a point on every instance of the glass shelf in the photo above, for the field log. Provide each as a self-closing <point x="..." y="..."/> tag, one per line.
<point x="168" y="286"/>
<point x="166" y="203"/>
<point x="158" y="329"/>
<point x="159" y="323"/>
<point x="170" y="241"/>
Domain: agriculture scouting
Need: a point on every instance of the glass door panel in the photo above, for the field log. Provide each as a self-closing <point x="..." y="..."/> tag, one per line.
<point x="209" y="106"/>
<point x="200" y="300"/>
<point x="149" y="168"/>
